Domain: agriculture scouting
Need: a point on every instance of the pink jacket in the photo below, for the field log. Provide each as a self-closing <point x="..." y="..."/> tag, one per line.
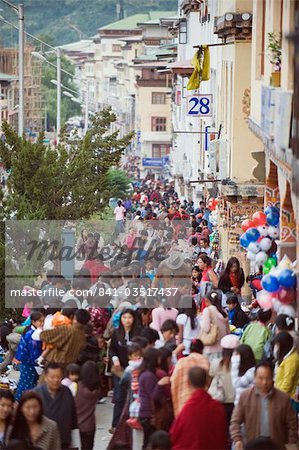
<point x="220" y="321"/>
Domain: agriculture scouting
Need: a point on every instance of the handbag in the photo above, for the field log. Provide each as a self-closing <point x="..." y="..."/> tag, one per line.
<point x="216" y="389"/>
<point x="210" y="337"/>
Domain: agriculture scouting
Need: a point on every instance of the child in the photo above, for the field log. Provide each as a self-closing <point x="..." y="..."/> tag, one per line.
<point x="72" y="378"/>
<point x="257" y="334"/>
<point x="150" y="271"/>
<point x="103" y="365"/>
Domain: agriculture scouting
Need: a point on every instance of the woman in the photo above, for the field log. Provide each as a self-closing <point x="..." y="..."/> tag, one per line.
<point x="118" y="352"/>
<point x="6" y="408"/>
<point x="80" y="250"/>
<point x="32" y="427"/>
<point x="196" y="275"/>
<point x="162" y="313"/>
<point x="148" y="380"/>
<point x="86" y="400"/>
<point x="232" y="280"/>
<point x="214" y="314"/>
<point x="28" y="352"/>
<point x="287" y="363"/>
<point x="188" y="323"/>
<point x="242" y="370"/>
<point x="209" y="279"/>
<point x="221" y="388"/>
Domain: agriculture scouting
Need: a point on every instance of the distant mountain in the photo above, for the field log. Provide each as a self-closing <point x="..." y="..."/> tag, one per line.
<point x="67" y="20"/>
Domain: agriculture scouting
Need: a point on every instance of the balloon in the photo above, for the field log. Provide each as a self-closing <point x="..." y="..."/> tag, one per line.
<point x="251" y="256"/>
<point x="259" y="218"/>
<point x="273" y="232"/>
<point x="272" y="209"/>
<point x="244" y="241"/>
<point x="270" y="283"/>
<point x="253" y="247"/>
<point x="289" y="310"/>
<point x="257" y="284"/>
<point x="264" y="299"/>
<point x="286" y="296"/>
<point x="285" y="263"/>
<point x="263" y="230"/>
<point x="252" y="235"/>
<point x="287" y="278"/>
<point x="246" y="224"/>
<point x="272" y="219"/>
<point x="261" y="257"/>
<point x="271" y="262"/>
<point x="266" y="244"/>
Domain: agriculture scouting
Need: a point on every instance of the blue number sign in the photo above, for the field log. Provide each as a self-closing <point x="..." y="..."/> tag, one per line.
<point x="200" y="105"/>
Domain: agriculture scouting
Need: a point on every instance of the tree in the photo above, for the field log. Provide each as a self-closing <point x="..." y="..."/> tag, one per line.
<point x="118" y="185"/>
<point x="63" y="183"/>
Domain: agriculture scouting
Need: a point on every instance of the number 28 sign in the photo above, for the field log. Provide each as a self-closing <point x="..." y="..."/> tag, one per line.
<point x="200" y="105"/>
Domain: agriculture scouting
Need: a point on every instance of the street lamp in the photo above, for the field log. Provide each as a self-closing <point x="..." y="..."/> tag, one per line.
<point x="20" y="11"/>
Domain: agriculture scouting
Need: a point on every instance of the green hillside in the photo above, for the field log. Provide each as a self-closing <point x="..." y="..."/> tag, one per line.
<point x="59" y="19"/>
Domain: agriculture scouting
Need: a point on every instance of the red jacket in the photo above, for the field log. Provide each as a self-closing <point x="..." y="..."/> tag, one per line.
<point x="201" y="424"/>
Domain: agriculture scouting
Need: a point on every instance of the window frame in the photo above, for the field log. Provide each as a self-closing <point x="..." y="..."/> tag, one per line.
<point x="159" y="124"/>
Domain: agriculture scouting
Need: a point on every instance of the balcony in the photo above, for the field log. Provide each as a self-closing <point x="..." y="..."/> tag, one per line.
<point x="234" y="26"/>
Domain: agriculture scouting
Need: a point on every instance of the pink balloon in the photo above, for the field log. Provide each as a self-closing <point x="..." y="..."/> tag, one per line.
<point x="265" y="299"/>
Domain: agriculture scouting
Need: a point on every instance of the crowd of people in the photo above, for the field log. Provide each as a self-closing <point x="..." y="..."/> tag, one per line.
<point x="159" y="324"/>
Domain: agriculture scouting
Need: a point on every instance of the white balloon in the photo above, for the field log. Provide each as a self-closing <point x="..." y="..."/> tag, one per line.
<point x="273" y="232"/>
<point x="266" y="244"/>
<point x="289" y="310"/>
<point x="253" y="247"/>
<point x="263" y="230"/>
<point x="251" y="256"/>
<point x="276" y="304"/>
<point x="261" y="257"/>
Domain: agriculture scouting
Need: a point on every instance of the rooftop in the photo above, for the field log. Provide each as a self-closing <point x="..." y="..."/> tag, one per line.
<point x="132" y="22"/>
<point x="84" y="46"/>
<point x="7" y="77"/>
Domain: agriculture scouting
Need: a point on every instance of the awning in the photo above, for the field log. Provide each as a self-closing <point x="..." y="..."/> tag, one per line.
<point x="181" y="67"/>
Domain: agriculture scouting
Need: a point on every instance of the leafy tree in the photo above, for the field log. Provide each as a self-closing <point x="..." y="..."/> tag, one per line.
<point x="63" y="183"/>
<point x="118" y="185"/>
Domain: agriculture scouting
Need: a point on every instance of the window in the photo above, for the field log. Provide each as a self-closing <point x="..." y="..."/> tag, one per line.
<point x="158" y="123"/>
<point x="183" y="32"/>
<point x="116" y="48"/>
<point x="160" y="150"/>
<point x="158" y="98"/>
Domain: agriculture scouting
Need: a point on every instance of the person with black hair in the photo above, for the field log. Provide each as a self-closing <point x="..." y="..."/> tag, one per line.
<point x="287" y="363"/>
<point x="257" y="333"/>
<point x="180" y="388"/>
<point x="242" y="369"/>
<point x="67" y="341"/>
<point x="91" y="349"/>
<point x="58" y="403"/>
<point x="159" y="440"/>
<point x="232" y="279"/>
<point x="236" y="315"/>
<point x="284" y="322"/>
<point x="214" y="314"/>
<point x="118" y="352"/>
<point x="29" y="350"/>
<point x="32" y="427"/>
<point x="264" y="411"/>
<point x="6" y="409"/>
<point x="167" y="334"/>
<point x="150" y="334"/>
<point x="192" y="427"/>
<point x="86" y="400"/>
<point x="188" y="323"/>
<point x="72" y="377"/>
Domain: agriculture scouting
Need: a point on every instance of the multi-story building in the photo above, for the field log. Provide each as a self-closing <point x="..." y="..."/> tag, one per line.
<point x="272" y="87"/>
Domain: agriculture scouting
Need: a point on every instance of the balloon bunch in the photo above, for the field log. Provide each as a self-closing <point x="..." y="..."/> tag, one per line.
<point x="259" y="237"/>
<point x="279" y="289"/>
<point x="212" y="204"/>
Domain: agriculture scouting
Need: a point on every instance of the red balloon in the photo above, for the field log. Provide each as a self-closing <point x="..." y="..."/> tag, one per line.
<point x="287" y="296"/>
<point x="259" y="218"/>
<point x="246" y="224"/>
<point x="257" y="284"/>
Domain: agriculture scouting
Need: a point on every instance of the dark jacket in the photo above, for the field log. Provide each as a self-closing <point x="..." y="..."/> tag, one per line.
<point x="225" y="284"/>
<point x="90" y="352"/>
<point x="147" y="383"/>
<point x="118" y="347"/>
<point x="240" y="318"/>
<point x="86" y="402"/>
<point x="61" y="409"/>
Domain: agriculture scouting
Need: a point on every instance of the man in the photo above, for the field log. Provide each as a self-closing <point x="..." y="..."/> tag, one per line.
<point x="58" y="403"/>
<point x="201" y="424"/>
<point x="264" y="411"/>
<point x="67" y="341"/>
<point x="204" y="246"/>
<point x="181" y="390"/>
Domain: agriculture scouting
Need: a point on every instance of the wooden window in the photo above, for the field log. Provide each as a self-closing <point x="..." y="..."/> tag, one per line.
<point x="160" y="150"/>
<point x="158" y="98"/>
<point x="116" y="48"/>
<point x="183" y="32"/>
<point x="158" y="123"/>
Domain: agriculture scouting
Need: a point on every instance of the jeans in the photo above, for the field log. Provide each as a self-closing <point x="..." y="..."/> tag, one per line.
<point x="87" y="440"/>
<point x="119" y="226"/>
<point x="119" y="396"/>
